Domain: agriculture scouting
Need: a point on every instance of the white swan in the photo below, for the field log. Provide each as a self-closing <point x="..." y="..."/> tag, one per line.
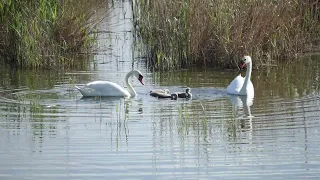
<point x="240" y="85"/>
<point x="111" y="89"/>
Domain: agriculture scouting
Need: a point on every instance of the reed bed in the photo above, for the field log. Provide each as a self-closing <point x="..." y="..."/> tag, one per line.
<point x="216" y="33"/>
<point x="43" y="34"/>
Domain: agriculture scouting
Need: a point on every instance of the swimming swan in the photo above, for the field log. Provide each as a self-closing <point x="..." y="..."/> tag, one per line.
<point x="111" y="89"/>
<point x="240" y="85"/>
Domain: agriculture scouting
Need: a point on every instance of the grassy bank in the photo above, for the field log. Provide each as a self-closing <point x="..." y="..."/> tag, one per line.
<point x="217" y="33"/>
<point x="43" y="34"/>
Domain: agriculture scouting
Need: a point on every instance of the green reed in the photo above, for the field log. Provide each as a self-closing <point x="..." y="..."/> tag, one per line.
<point x="218" y="32"/>
<point x="41" y="33"/>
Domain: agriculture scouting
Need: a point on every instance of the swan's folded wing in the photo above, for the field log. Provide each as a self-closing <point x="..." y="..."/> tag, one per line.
<point x="236" y="85"/>
<point x="106" y="88"/>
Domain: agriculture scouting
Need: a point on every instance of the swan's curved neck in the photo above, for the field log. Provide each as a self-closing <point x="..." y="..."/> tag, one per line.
<point x="247" y="78"/>
<point x="130" y="88"/>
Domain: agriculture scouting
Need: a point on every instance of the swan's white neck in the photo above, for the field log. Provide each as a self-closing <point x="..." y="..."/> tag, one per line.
<point x="130" y="88"/>
<point x="243" y="90"/>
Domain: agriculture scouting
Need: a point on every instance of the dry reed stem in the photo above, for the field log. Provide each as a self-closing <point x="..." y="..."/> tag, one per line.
<point x="218" y="32"/>
<point x="42" y="33"/>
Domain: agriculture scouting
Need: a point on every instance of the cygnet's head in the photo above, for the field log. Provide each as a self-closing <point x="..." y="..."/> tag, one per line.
<point x="188" y="93"/>
<point x="174" y="96"/>
<point x="188" y="90"/>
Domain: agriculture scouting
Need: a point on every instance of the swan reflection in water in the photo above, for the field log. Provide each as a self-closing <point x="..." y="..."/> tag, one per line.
<point x="244" y="103"/>
<point x="117" y="104"/>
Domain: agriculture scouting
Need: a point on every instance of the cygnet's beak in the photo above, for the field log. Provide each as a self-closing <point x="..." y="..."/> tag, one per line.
<point x="140" y="78"/>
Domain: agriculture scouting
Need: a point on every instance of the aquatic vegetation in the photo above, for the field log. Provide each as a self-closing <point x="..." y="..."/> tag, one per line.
<point x="44" y="33"/>
<point x="219" y="32"/>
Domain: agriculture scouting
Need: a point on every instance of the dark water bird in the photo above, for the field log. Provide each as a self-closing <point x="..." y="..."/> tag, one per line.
<point x="186" y="94"/>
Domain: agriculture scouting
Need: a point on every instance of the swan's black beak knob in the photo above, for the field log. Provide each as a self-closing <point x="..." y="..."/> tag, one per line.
<point x="140" y="78"/>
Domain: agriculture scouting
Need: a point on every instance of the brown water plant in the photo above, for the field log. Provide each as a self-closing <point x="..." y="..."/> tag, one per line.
<point x="43" y="33"/>
<point x="217" y="33"/>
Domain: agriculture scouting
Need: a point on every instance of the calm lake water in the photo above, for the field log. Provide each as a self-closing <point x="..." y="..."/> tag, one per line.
<point x="48" y="131"/>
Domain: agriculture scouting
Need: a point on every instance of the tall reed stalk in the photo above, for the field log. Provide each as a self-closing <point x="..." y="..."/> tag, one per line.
<point x="41" y="33"/>
<point x="215" y="33"/>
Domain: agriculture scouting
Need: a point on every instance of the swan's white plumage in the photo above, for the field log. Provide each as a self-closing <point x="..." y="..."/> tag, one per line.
<point x="240" y="85"/>
<point x="110" y="89"/>
<point x="103" y="88"/>
<point x="236" y="85"/>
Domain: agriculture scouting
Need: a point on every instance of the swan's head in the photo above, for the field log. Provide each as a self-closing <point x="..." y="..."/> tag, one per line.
<point x="138" y="75"/>
<point x="244" y="61"/>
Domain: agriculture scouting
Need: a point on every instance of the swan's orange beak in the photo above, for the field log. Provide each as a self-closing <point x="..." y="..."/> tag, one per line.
<point x="141" y="79"/>
<point x="242" y="65"/>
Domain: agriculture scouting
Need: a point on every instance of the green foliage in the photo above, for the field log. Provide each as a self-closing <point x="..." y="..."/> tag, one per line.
<point x="40" y="33"/>
<point x="218" y="32"/>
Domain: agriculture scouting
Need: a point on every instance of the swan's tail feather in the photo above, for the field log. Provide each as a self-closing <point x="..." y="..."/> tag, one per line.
<point x="81" y="91"/>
